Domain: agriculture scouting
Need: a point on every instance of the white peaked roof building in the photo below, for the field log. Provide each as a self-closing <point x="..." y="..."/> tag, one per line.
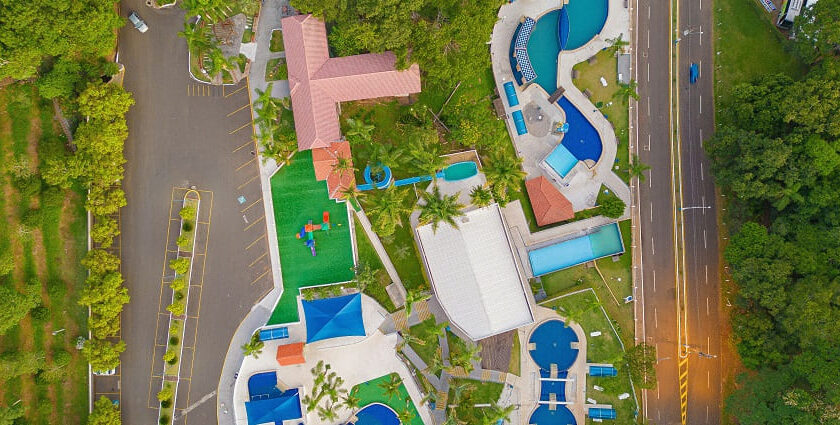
<point x="474" y="273"/>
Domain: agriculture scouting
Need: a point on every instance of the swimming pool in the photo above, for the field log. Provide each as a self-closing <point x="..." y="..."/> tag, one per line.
<point x="543" y="415"/>
<point x="585" y="20"/>
<point x="582" y="139"/>
<point x="604" y="241"/>
<point x="561" y="160"/>
<point x="460" y="171"/>
<point x="543" y="47"/>
<point x="376" y="414"/>
<point x="552" y="346"/>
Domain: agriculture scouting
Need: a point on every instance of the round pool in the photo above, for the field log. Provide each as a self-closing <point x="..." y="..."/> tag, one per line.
<point x="544" y="416"/>
<point x="552" y="345"/>
<point x="376" y="414"/>
<point x="584" y="19"/>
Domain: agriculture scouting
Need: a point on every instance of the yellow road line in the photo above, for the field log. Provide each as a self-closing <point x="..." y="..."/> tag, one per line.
<point x="243" y="165"/>
<point x="254" y="242"/>
<point x="241" y="127"/>
<point x="260" y="276"/>
<point x="258" y="259"/>
<point x="247" y="182"/>
<point x="243" y="145"/>
<point x="236" y="91"/>
<point x="262" y="217"/>
<point x="243" y="107"/>
<point x="249" y="206"/>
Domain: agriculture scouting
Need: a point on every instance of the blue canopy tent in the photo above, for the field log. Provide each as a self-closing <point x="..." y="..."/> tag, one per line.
<point x="334" y="317"/>
<point x="274" y="410"/>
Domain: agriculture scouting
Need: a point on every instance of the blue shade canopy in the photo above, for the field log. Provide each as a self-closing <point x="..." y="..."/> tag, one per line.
<point x="274" y="410"/>
<point x="334" y="317"/>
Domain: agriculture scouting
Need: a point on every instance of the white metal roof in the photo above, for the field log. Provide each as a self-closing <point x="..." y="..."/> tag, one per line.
<point x="474" y="274"/>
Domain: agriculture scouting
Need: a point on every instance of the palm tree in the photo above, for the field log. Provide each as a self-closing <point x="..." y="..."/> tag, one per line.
<point x="406" y="415"/>
<point x="617" y="44"/>
<point x="460" y="392"/>
<point x="196" y="36"/>
<point x="411" y="339"/>
<point x="505" y="172"/>
<point x="351" y="193"/>
<point x="439" y="330"/>
<point x="279" y="152"/>
<point x="637" y="168"/>
<point x="391" y="386"/>
<point x="218" y="62"/>
<point x="358" y="131"/>
<point x="426" y="157"/>
<point x="440" y="208"/>
<point x="465" y="358"/>
<point x="412" y="296"/>
<point x="480" y="196"/>
<point x="351" y="400"/>
<point x="364" y="276"/>
<point x="342" y="164"/>
<point x="388" y="209"/>
<point x="436" y="366"/>
<point x="386" y="154"/>
<point x="495" y="413"/>
<point x="263" y="97"/>
<point x="626" y="91"/>
<point x="327" y="412"/>
<point x="253" y="347"/>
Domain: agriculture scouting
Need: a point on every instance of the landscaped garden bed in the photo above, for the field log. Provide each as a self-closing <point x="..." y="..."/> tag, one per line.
<point x="180" y="285"/>
<point x="276" y="43"/>
<point x="390" y="391"/>
<point x="276" y="69"/>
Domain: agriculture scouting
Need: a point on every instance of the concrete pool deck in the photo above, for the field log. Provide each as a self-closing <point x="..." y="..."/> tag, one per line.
<point x="582" y="183"/>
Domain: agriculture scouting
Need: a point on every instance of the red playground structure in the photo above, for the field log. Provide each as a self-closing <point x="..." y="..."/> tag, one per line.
<point x="308" y="231"/>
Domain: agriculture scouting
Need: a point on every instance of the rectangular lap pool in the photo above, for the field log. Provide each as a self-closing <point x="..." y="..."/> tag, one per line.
<point x="603" y="242"/>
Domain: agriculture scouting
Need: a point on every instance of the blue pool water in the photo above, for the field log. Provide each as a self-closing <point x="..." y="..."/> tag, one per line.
<point x="582" y="139"/>
<point x="263" y="385"/>
<point x="561" y="160"/>
<point x="545" y="416"/>
<point x="553" y="339"/>
<point x="605" y="241"/>
<point x="543" y="48"/>
<point x="586" y="20"/>
<point x="460" y="171"/>
<point x="376" y="414"/>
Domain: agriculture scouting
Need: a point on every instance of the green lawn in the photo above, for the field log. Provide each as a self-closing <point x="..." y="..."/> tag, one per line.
<point x="616" y="110"/>
<point x="749" y="46"/>
<point x="515" y="356"/>
<point x="371" y="392"/>
<point x="423" y="330"/>
<point x="276" y="43"/>
<point x="276" y="69"/>
<point x="297" y="198"/>
<point x="367" y="255"/>
<point x="478" y="392"/>
<point x="601" y="349"/>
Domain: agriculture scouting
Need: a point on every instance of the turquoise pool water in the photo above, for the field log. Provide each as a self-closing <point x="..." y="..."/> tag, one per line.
<point x="606" y="240"/>
<point x="586" y="20"/>
<point x="561" y="160"/>
<point x="460" y="171"/>
<point x="543" y="47"/>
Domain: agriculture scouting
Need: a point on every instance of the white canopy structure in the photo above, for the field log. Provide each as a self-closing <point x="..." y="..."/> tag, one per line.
<point x="474" y="273"/>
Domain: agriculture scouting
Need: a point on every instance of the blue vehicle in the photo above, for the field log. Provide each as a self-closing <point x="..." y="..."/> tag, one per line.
<point x="693" y="73"/>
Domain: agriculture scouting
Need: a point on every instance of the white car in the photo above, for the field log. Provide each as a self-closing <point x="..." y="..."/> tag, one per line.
<point x="138" y="22"/>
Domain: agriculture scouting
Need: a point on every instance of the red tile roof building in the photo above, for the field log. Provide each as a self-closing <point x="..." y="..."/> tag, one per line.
<point x="290" y="354"/>
<point x="550" y="206"/>
<point x="318" y="83"/>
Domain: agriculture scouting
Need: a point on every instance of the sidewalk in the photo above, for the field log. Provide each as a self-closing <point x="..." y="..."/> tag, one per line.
<point x="270" y="16"/>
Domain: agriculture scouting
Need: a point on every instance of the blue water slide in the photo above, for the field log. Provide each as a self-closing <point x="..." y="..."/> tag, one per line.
<point x="510" y="91"/>
<point x="519" y="121"/>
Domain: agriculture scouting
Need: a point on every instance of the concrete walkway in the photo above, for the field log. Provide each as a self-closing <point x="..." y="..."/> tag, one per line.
<point x="270" y="15"/>
<point x="383" y="256"/>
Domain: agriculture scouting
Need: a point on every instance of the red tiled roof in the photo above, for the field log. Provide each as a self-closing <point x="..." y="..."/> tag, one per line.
<point x="290" y="354"/>
<point x="324" y="160"/>
<point x="550" y="206"/>
<point x="318" y="82"/>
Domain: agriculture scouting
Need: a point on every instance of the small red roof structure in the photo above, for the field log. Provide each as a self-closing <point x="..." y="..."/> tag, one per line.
<point x="550" y="206"/>
<point x="290" y="354"/>
<point x="325" y="159"/>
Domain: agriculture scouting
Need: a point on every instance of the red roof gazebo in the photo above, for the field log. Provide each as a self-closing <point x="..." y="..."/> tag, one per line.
<point x="550" y="206"/>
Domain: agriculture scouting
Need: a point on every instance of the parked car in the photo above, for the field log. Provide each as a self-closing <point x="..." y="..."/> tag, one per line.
<point x="693" y="73"/>
<point x="138" y="22"/>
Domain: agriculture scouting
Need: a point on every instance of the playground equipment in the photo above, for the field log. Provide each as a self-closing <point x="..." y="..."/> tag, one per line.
<point x="453" y="172"/>
<point x="307" y="231"/>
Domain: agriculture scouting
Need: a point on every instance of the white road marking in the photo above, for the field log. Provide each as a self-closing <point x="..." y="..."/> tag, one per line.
<point x="701" y="171"/>
<point x="648" y="12"/>
<point x="701" y="135"/>
<point x="701" y="31"/>
<point x="650" y="180"/>
<point x="648" y="106"/>
<point x="651" y="212"/>
<point x="704" y="238"/>
<point x="652" y="250"/>
<point x="706" y="267"/>
<point x="701" y="106"/>
<point x="648" y="73"/>
<point x="655" y="319"/>
<point x="648" y="45"/>
<point x="707" y="306"/>
<point x="654" y="280"/>
<point x="707" y="413"/>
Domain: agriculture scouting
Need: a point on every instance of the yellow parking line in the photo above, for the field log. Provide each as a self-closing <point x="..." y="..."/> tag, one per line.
<point x="246" y="183"/>
<point x="260" y="277"/>
<point x="243" y="165"/>
<point x="254" y="242"/>
<point x="235" y="91"/>
<point x="249" y="206"/>
<point x="241" y="127"/>
<point x="243" y="107"/>
<point x="258" y="259"/>
<point x="243" y="145"/>
<point x="255" y="222"/>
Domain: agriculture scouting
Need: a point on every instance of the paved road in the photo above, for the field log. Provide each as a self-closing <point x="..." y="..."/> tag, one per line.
<point x="183" y="133"/>
<point x="657" y="209"/>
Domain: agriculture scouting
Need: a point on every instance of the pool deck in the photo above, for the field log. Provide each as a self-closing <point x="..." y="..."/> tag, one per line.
<point x="529" y="383"/>
<point x="582" y="183"/>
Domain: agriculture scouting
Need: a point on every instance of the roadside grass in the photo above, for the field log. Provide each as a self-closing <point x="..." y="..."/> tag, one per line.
<point x="747" y="45"/>
<point x="601" y="349"/>
<point x="515" y="356"/>
<point x="423" y="331"/>
<point x="276" y="42"/>
<point x="616" y="109"/>
<point x="371" y="392"/>
<point x="276" y="69"/>
<point x="367" y="255"/>
<point x="478" y="393"/>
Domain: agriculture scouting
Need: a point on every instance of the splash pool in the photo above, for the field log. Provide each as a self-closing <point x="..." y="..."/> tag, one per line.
<point x="543" y="415"/>
<point x="552" y="346"/>
<point x="376" y="414"/>
<point x="603" y="242"/>
<point x="561" y="160"/>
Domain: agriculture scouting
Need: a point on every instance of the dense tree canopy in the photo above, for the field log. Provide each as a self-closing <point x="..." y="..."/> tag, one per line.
<point x="817" y="31"/>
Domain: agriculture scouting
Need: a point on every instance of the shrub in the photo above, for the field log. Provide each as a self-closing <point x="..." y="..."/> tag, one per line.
<point x="185" y="242"/>
<point x="170" y="356"/>
<point x="187" y="213"/>
<point x="178" y="283"/>
<point x="164" y="419"/>
<point x="179" y="295"/>
<point x="612" y="207"/>
<point x="40" y="313"/>
<point x="175" y="328"/>
<point x="166" y="393"/>
<point x="173" y="340"/>
<point x="165" y="404"/>
<point x="180" y="265"/>
<point x="177" y="308"/>
<point x="187" y="226"/>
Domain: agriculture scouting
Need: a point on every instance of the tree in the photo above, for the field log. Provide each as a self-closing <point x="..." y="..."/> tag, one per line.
<point x="496" y="414"/>
<point x="104" y="200"/>
<point x="253" y="347"/>
<point x="9" y="414"/>
<point x="465" y="358"/>
<point x="18" y="363"/>
<point x="61" y="80"/>
<point x="166" y="393"/>
<point x="351" y="400"/>
<point x="815" y="30"/>
<point x="481" y="196"/>
<point x="364" y="276"/>
<point x="425" y="151"/>
<point x="103" y="355"/>
<point x="15" y="305"/>
<point x="641" y="361"/>
<point x="406" y="414"/>
<point x="99" y="261"/>
<point x="7" y="261"/>
<point x="412" y="296"/>
<point x="439" y="330"/>
<point x="388" y="210"/>
<point x="104" y="101"/>
<point x="104" y="230"/>
<point x="437" y="208"/>
<point x="358" y="131"/>
<point x="504" y="173"/>
<point x="177" y="308"/>
<point x="180" y="265"/>
<point x="617" y="44"/>
<point x="392" y="386"/>
<point x="105" y="412"/>
<point x="612" y="206"/>
<point x="626" y="91"/>
<point x="178" y="283"/>
<point x="637" y="168"/>
<point x="197" y="36"/>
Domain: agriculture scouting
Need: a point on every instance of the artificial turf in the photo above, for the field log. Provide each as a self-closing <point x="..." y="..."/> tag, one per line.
<point x="372" y="392"/>
<point x="297" y="198"/>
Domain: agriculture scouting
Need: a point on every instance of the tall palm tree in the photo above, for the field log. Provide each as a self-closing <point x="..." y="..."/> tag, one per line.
<point x="391" y="387"/>
<point x="351" y="193"/>
<point x="412" y="296"/>
<point x="439" y="208"/>
<point x="218" y="62"/>
<point x="495" y="414"/>
<point x="342" y="164"/>
<point x="386" y="154"/>
<point x="505" y="172"/>
<point x="617" y="43"/>
<point x="460" y="392"/>
<point x="351" y="400"/>
<point x="327" y="412"/>
<point x="196" y="36"/>
<point x="388" y="209"/>
<point x="358" y="131"/>
<point x="626" y="91"/>
<point x="426" y="157"/>
<point x="637" y="168"/>
<point x="466" y="358"/>
<point x="439" y="330"/>
<point x="406" y="415"/>
<point x="253" y="347"/>
<point x="480" y="196"/>
<point x="263" y="97"/>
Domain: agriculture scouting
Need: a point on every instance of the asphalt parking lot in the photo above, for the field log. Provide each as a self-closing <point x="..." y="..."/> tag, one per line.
<point x="185" y="134"/>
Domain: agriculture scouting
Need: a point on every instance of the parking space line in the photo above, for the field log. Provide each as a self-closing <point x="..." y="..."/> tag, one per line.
<point x="243" y="107"/>
<point x="245" y="144"/>
<point x="243" y="165"/>
<point x="258" y="259"/>
<point x="252" y="204"/>
<point x="246" y="183"/>
<point x="236" y="91"/>
<point x="255" y="222"/>
<point x="241" y="127"/>
<point x="260" y="277"/>
<point x="254" y="242"/>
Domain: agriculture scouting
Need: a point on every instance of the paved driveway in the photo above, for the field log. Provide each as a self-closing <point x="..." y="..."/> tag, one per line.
<point x="183" y="133"/>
